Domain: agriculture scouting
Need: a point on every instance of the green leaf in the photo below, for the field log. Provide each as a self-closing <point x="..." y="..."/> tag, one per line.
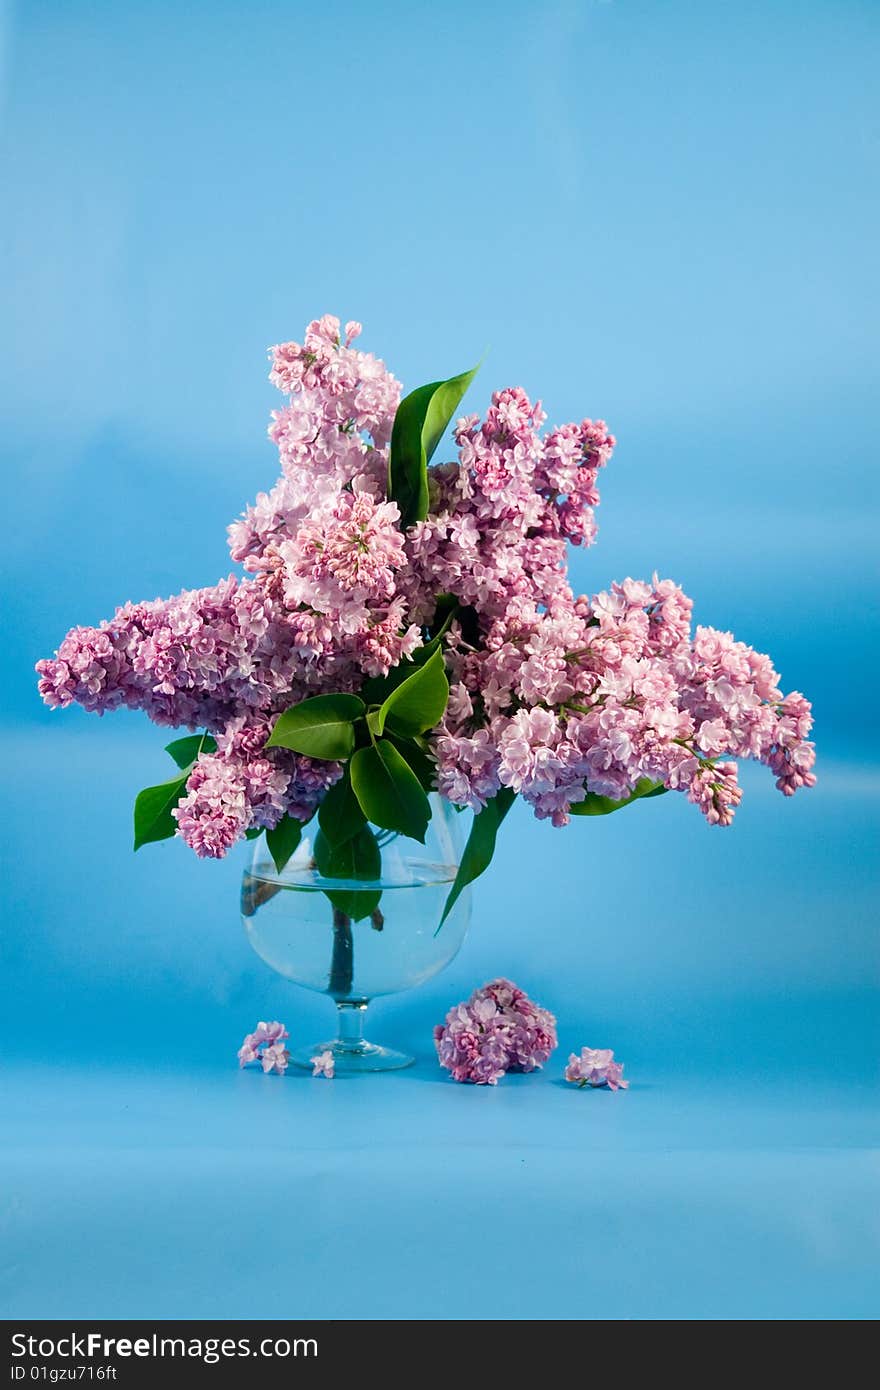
<point x="480" y="846"/>
<point x="595" y="805"/>
<point x="422" y="763"/>
<point x="376" y="689"/>
<point x="339" y="815"/>
<point x="356" y="858"/>
<point x="184" y="751"/>
<point x="419" y="424"/>
<point x="389" y="791"/>
<point x="254" y="833"/>
<point x="321" y="727"/>
<point x="418" y="702"/>
<point x="446" y="609"/>
<point x="153" y="820"/>
<point x="356" y="903"/>
<point x="283" y="841"/>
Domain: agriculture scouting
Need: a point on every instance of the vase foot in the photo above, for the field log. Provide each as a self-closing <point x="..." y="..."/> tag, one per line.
<point x="352" y="1058"/>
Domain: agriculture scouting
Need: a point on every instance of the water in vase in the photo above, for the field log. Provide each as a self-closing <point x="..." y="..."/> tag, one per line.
<point x="354" y="943"/>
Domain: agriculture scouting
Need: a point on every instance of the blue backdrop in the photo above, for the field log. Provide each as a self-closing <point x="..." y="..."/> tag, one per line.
<point x="662" y="214"/>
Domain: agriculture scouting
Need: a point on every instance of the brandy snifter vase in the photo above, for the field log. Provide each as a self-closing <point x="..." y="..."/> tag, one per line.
<point x="356" y="939"/>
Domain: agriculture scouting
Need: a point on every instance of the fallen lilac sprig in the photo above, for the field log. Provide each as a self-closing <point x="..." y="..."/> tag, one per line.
<point x="324" y="1064"/>
<point x="499" y="1029"/>
<point x="596" y="1067"/>
<point x="264" y="1045"/>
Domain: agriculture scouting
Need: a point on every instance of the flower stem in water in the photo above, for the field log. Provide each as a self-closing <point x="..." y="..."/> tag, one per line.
<point x="342" y="959"/>
<point x="255" y="892"/>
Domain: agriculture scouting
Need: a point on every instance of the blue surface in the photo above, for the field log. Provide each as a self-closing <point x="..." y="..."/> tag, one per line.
<point x="143" y="1174"/>
<point x="201" y="1195"/>
<point x="662" y="214"/>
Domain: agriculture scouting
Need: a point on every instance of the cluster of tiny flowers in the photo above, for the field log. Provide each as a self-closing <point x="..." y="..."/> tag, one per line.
<point x="552" y="695"/>
<point x="499" y="1029"/>
<point x="324" y="1064"/>
<point x="596" y="1067"/>
<point x="594" y="694"/>
<point x="265" y="1045"/>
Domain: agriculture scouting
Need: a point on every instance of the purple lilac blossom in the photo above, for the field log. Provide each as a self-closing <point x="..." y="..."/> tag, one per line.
<point x="275" y="1058"/>
<point x="264" y="1045"/>
<point x="324" y="1065"/>
<point x="557" y="694"/>
<point x="596" y="1067"/>
<point x="499" y="1029"/>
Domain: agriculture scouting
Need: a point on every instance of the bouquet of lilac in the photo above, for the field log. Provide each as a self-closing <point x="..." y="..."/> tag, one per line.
<point x="406" y="626"/>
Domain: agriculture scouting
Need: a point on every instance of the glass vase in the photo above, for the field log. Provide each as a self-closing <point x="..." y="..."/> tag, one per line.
<point x="357" y="939"/>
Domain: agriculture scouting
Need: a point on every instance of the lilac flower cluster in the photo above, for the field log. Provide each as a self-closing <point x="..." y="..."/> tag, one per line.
<point x="499" y="1029"/>
<point x="265" y="1045"/>
<point x="552" y="695"/>
<point x="595" y="1067"/>
<point x="594" y="694"/>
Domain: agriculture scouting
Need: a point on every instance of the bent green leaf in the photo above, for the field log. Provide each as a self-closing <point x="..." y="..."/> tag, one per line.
<point x="422" y="763"/>
<point x="320" y="727"/>
<point x="153" y="820"/>
<point x="480" y="846"/>
<point x="595" y="805"/>
<point x="388" y="790"/>
<point x="377" y="688"/>
<point x="419" y="424"/>
<point x="339" y="815"/>
<point x="283" y="841"/>
<point x="417" y="704"/>
<point x="356" y="858"/>
<point x="184" y="751"/>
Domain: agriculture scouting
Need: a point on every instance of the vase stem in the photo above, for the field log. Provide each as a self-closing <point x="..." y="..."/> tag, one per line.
<point x="351" y="1025"/>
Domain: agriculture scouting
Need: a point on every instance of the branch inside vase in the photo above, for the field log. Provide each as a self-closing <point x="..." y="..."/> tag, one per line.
<point x="255" y="892"/>
<point x="342" y="958"/>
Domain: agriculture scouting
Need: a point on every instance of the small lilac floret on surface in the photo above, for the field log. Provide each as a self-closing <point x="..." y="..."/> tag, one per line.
<point x="595" y="1067"/>
<point x="264" y="1045"/>
<point x="323" y="1064"/>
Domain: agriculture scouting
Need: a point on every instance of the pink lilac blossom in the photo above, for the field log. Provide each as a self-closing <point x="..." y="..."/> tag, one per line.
<point x="498" y="1029"/>
<point x="596" y="1067"/>
<point x="553" y="695"/>
<point x="264" y="1045"/>
<point x="324" y="1065"/>
<point x="275" y="1058"/>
